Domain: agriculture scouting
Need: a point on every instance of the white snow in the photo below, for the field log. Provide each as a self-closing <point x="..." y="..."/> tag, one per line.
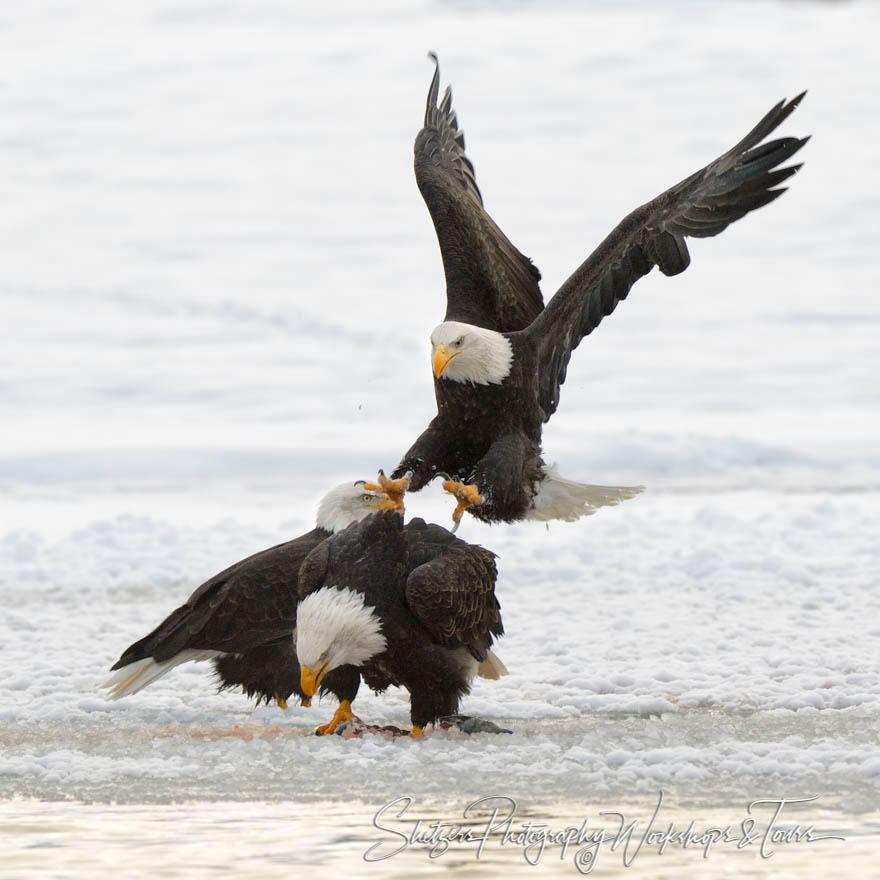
<point x="218" y="282"/>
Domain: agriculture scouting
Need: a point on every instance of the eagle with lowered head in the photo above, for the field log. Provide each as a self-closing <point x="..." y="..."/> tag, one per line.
<point x="243" y="618"/>
<point x="500" y="356"/>
<point x="408" y="605"/>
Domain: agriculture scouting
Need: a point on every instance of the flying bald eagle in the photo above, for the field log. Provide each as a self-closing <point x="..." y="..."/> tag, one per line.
<point x="406" y="605"/>
<point x="500" y="356"/>
<point x="243" y="618"/>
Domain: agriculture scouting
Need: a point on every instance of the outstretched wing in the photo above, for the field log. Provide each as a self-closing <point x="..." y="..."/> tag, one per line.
<point x="453" y="593"/>
<point x="488" y="281"/>
<point x="702" y="205"/>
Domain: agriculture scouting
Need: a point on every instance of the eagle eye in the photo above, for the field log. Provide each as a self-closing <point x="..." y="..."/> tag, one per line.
<point x="459" y="342"/>
<point x="366" y="497"/>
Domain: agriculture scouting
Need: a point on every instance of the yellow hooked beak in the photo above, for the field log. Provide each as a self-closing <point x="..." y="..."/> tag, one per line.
<point x="309" y="680"/>
<point x="442" y="358"/>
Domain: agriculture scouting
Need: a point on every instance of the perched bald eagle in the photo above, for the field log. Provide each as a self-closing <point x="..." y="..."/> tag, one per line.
<point x="243" y="618"/>
<point x="406" y="605"/>
<point x="500" y="357"/>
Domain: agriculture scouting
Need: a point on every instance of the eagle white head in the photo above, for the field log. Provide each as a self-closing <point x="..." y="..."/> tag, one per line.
<point x="466" y="353"/>
<point x="335" y="627"/>
<point x="349" y="503"/>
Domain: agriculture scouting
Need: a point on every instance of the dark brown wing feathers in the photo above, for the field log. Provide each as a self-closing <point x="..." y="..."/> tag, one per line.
<point x="313" y="570"/>
<point x="488" y="281"/>
<point x="453" y="596"/>
<point x="702" y="205"/>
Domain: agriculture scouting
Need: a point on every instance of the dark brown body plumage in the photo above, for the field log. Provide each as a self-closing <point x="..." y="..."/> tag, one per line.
<point x="488" y="435"/>
<point x="435" y="597"/>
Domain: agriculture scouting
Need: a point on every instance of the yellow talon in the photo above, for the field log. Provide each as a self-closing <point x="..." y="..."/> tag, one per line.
<point x="280" y="702"/>
<point x="394" y="489"/>
<point x="343" y="713"/>
<point x="304" y="701"/>
<point x="416" y="732"/>
<point x="466" y="495"/>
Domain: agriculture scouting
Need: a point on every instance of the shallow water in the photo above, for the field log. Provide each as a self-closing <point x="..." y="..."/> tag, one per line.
<point x="192" y="840"/>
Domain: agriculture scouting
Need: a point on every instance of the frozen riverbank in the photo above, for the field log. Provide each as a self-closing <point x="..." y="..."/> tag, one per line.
<point x="711" y="644"/>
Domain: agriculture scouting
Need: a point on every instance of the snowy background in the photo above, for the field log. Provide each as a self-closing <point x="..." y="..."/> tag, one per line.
<point x="218" y="281"/>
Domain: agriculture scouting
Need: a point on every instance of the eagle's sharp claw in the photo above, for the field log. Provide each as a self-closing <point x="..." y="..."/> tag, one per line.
<point x="466" y="495"/>
<point x="394" y="489"/>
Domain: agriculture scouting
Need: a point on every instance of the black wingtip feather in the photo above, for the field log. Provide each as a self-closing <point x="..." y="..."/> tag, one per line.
<point x="702" y="205"/>
<point x="771" y="154"/>
<point x="433" y="90"/>
<point x="441" y="132"/>
<point x="757" y="200"/>
<point x="773" y="178"/>
<point x="768" y="123"/>
<point x="446" y="107"/>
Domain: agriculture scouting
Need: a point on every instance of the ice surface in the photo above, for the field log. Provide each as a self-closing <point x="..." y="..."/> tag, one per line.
<point x="707" y="642"/>
<point x="217" y="288"/>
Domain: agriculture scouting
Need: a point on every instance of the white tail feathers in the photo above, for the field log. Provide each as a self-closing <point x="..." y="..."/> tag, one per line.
<point x="136" y="676"/>
<point x="558" y="498"/>
<point x="492" y="667"/>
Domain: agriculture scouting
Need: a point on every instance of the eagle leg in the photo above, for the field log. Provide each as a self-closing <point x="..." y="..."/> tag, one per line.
<point x="416" y="732"/>
<point x="466" y="495"/>
<point x="280" y="702"/>
<point x="394" y="489"/>
<point x="343" y="713"/>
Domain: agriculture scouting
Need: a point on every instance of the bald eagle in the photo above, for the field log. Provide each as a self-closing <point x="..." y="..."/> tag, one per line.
<point x="405" y="605"/>
<point x="243" y="618"/>
<point x="500" y="357"/>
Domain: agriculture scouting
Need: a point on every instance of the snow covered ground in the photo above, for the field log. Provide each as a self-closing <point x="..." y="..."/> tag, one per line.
<point x="218" y="280"/>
